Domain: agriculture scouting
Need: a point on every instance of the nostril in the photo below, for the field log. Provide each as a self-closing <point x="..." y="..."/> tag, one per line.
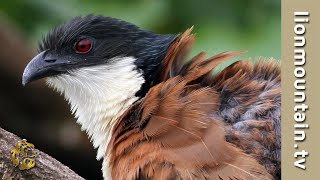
<point x="50" y="60"/>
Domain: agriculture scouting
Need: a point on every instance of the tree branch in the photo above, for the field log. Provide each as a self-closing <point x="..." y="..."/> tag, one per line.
<point x="46" y="167"/>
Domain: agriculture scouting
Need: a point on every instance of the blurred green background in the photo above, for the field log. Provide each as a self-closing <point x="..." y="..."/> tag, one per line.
<point x="41" y="116"/>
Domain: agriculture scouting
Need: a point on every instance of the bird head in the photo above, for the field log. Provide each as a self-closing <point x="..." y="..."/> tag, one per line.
<point x="96" y="50"/>
<point x="102" y="66"/>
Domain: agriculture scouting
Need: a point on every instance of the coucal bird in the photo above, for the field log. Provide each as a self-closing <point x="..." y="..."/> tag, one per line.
<point x="154" y="115"/>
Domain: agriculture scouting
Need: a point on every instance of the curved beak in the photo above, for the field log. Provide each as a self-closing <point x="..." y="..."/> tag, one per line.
<point x="43" y="65"/>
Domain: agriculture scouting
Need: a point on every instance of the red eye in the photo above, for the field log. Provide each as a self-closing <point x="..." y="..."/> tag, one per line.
<point x="83" y="46"/>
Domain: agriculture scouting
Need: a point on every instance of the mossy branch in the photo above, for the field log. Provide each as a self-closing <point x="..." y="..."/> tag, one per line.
<point x="46" y="167"/>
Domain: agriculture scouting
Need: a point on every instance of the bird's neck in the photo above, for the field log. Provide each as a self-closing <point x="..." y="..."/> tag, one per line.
<point x="150" y="51"/>
<point x="99" y="95"/>
<point x="97" y="117"/>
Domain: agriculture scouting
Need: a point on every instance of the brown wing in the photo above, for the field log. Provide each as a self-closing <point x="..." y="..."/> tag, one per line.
<point x="249" y="96"/>
<point x="177" y="131"/>
<point x="180" y="116"/>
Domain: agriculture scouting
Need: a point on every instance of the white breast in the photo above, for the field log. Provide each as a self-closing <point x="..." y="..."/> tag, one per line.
<point x="98" y="95"/>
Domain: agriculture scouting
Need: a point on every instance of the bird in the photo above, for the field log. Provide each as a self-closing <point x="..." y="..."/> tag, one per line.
<point x="154" y="113"/>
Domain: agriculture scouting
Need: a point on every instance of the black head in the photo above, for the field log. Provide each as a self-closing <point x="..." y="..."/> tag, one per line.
<point x="94" y="40"/>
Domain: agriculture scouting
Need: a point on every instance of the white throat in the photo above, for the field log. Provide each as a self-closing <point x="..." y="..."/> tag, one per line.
<point x="98" y="95"/>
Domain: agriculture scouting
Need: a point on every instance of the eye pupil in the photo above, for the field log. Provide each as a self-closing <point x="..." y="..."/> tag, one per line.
<point x="83" y="46"/>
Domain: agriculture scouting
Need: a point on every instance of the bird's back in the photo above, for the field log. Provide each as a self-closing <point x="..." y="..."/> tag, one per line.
<point x="195" y="125"/>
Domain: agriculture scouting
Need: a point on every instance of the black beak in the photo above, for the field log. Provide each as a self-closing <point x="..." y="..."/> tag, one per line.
<point x="44" y="65"/>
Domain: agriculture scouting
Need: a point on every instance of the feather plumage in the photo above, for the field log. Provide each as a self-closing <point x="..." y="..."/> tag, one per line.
<point x="195" y="125"/>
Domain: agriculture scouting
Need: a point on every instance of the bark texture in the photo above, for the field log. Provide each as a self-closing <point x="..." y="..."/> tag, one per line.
<point x="46" y="167"/>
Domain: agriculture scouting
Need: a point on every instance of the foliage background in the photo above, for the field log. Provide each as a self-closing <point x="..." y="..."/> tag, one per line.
<point x="42" y="116"/>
